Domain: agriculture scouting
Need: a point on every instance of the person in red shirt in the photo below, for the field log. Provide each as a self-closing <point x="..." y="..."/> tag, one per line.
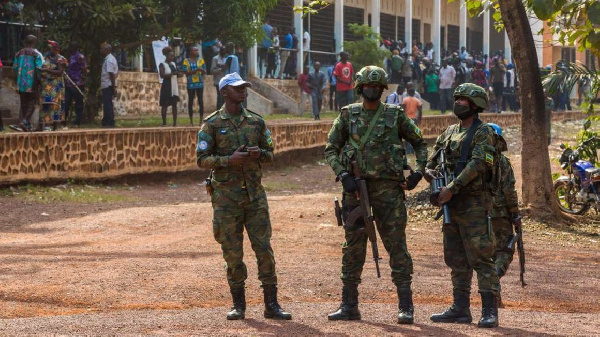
<point x="304" y="89"/>
<point x="343" y="72"/>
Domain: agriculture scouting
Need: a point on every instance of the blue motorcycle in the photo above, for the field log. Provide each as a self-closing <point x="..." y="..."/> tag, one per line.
<point x="578" y="191"/>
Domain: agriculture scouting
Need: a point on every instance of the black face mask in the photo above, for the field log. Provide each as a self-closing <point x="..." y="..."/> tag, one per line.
<point x="462" y="111"/>
<point x="372" y="94"/>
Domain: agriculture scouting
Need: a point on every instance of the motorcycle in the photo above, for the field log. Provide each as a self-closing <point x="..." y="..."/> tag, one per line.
<point x="580" y="189"/>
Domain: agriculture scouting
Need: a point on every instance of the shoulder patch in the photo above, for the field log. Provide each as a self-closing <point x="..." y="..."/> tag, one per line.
<point x="489" y="158"/>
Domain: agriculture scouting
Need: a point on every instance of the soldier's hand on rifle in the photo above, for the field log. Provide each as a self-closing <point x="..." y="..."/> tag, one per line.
<point x="413" y="180"/>
<point x="254" y="152"/>
<point x="430" y="175"/>
<point x="445" y="195"/>
<point x="348" y="182"/>
<point x="240" y="156"/>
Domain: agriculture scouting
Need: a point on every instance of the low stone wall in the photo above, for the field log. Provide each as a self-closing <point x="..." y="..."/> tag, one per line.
<point x="101" y="153"/>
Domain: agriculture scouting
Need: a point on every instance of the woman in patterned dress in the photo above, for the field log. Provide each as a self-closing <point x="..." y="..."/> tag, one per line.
<point x="53" y="88"/>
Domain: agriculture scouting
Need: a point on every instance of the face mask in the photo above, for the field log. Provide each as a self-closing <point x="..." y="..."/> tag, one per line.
<point x="372" y="94"/>
<point x="462" y="111"/>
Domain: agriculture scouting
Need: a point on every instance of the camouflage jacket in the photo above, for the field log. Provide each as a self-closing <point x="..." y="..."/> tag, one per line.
<point x="480" y="162"/>
<point x="505" y="200"/>
<point x="382" y="155"/>
<point x="219" y="137"/>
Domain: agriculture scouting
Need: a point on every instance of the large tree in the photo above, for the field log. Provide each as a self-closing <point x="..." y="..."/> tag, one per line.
<point x="127" y="24"/>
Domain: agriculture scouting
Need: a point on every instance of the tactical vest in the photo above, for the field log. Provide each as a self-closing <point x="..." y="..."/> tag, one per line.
<point x="375" y="143"/>
<point x="453" y="145"/>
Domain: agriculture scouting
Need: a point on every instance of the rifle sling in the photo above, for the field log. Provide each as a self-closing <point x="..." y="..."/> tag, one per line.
<point x="365" y="137"/>
<point x="466" y="147"/>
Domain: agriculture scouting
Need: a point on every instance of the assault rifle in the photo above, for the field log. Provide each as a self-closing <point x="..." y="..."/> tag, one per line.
<point x="365" y="213"/>
<point x="518" y="239"/>
<point x="439" y="182"/>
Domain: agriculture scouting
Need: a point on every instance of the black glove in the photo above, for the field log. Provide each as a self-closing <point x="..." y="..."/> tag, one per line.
<point x="348" y="182"/>
<point x="413" y="180"/>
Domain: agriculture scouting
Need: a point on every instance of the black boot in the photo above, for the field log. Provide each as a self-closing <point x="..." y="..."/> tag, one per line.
<point x="405" y="306"/>
<point x="272" y="307"/>
<point x="459" y="311"/>
<point x="348" y="310"/>
<point x="239" y="304"/>
<point x="489" y="311"/>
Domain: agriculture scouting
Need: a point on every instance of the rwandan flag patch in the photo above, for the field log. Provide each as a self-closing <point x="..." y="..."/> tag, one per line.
<point x="418" y="132"/>
<point x="489" y="158"/>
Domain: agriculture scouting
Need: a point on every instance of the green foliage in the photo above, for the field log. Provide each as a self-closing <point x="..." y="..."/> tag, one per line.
<point x="127" y="24"/>
<point x="313" y="7"/>
<point x="366" y="51"/>
<point x="572" y="21"/>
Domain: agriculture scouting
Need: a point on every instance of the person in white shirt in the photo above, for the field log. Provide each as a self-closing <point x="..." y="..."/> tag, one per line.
<point x="305" y="46"/>
<point x="108" y="85"/>
<point x="447" y="75"/>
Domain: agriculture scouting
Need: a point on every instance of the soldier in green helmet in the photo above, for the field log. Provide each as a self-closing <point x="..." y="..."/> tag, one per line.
<point x="471" y="153"/>
<point x="371" y="134"/>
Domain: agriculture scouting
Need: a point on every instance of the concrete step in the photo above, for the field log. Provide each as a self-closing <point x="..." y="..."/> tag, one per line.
<point x="280" y="111"/>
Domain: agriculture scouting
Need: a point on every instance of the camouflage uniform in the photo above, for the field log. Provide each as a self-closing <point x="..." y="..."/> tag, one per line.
<point x="468" y="241"/>
<point x="239" y="199"/>
<point x="506" y="203"/>
<point x="381" y="164"/>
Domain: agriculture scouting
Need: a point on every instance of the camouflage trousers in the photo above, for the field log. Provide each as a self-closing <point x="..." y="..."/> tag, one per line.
<point x="469" y="245"/>
<point x="503" y="230"/>
<point x="229" y="220"/>
<point x="387" y="202"/>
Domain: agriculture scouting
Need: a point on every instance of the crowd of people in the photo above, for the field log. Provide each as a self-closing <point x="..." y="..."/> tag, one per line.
<point x="56" y="82"/>
<point x="437" y="82"/>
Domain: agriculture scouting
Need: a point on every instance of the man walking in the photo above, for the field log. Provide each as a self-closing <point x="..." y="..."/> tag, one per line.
<point x="233" y="143"/>
<point x="27" y="66"/>
<point x="366" y="133"/>
<point x="317" y="85"/>
<point x="195" y="69"/>
<point x="470" y="148"/>
<point x="108" y="85"/>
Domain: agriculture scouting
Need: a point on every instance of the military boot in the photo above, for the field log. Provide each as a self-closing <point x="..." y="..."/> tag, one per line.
<point x="489" y="311"/>
<point x="348" y="310"/>
<point x="459" y="311"/>
<point x="405" y="306"/>
<point x="272" y="307"/>
<point x="239" y="304"/>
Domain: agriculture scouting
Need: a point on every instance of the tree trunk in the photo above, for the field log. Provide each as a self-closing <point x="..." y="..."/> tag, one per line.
<point x="537" y="190"/>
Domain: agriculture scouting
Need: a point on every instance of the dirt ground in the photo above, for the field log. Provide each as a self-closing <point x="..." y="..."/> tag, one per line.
<point x="148" y="264"/>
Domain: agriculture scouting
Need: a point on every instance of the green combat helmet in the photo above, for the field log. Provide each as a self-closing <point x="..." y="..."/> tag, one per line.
<point x="370" y="75"/>
<point x="474" y="93"/>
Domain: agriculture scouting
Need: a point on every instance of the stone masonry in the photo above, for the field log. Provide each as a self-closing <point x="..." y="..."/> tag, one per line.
<point x="101" y="153"/>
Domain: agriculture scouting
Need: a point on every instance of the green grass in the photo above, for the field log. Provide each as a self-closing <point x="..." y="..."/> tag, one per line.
<point x="278" y="186"/>
<point x="72" y="193"/>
